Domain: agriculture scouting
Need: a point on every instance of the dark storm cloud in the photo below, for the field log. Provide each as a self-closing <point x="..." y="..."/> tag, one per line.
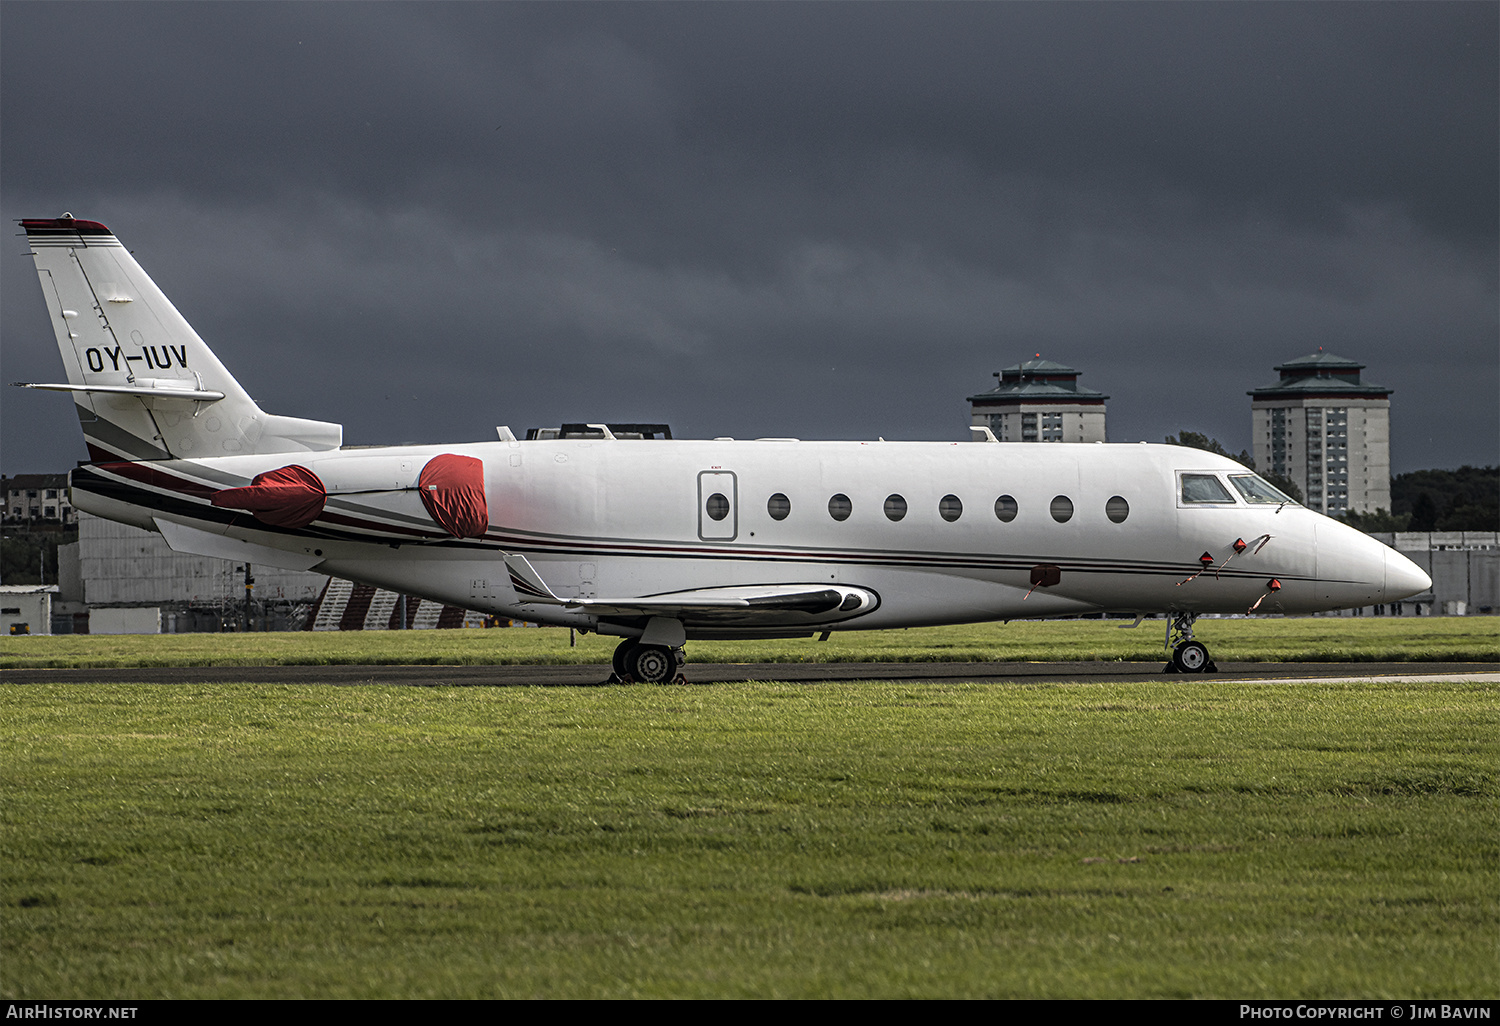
<point x="815" y="219"/>
<point x="1301" y="106"/>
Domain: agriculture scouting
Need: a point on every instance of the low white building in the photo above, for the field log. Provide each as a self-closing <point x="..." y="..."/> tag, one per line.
<point x="26" y="608"/>
<point x="133" y="583"/>
<point x="1464" y="567"/>
<point x="124" y="567"/>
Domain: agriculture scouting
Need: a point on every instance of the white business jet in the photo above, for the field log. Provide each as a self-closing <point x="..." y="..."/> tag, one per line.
<point x="659" y="541"/>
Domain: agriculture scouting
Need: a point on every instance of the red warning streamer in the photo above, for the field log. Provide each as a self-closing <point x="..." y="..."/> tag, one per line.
<point x="1272" y="586"/>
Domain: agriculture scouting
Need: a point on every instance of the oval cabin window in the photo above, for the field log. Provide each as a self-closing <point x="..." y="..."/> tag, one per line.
<point x="839" y="507"/>
<point x="779" y="506"/>
<point x="1062" y="509"/>
<point x="895" y="507"/>
<point x="717" y="506"/>
<point x="950" y="508"/>
<point x="1117" y="509"/>
<point x="1006" y="509"/>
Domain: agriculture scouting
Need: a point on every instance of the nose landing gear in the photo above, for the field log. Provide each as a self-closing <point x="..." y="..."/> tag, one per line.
<point x="1188" y="656"/>
<point x="647" y="664"/>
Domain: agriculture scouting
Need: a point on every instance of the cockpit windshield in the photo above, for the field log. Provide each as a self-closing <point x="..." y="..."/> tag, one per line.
<point x="1257" y="489"/>
<point x="1204" y="488"/>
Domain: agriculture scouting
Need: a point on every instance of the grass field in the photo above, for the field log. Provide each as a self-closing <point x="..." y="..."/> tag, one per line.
<point x="837" y="840"/>
<point x="1311" y="639"/>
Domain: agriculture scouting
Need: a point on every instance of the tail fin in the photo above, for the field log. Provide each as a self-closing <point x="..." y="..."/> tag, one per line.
<point x="146" y="386"/>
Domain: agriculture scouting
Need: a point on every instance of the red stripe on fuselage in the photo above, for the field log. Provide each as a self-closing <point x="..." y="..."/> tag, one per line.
<point x="147" y="474"/>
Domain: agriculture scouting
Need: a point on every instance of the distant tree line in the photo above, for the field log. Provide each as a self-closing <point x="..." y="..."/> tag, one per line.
<point x="30" y="556"/>
<point x="1194" y="440"/>
<point x="1466" y="499"/>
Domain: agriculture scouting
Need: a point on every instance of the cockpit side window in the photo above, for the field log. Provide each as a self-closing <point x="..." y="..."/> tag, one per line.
<point x="1204" y="488"/>
<point x="1255" y="488"/>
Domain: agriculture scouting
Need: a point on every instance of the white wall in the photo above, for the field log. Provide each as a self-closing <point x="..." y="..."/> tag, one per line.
<point x="32" y="605"/>
<point x="128" y="620"/>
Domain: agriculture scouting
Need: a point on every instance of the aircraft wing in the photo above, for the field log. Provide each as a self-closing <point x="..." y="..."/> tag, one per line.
<point x="765" y="605"/>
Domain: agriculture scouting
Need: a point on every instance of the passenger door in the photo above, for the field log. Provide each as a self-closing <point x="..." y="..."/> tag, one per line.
<point x="718" y="505"/>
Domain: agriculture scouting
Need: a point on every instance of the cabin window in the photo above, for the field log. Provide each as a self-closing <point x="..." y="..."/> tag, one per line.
<point x="1255" y="488"/>
<point x="1062" y="509"/>
<point x="839" y="507"/>
<point x="1006" y="509"/>
<point x="1204" y="488"/>
<point x="717" y="506"/>
<point x="779" y="506"/>
<point x="1117" y="509"/>
<point x="895" y="507"/>
<point x="950" y="508"/>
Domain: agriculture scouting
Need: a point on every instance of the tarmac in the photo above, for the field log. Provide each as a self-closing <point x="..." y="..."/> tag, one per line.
<point x="698" y="674"/>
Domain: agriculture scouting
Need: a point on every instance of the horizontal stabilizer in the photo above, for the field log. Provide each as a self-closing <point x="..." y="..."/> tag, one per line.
<point x="158" y="391"/>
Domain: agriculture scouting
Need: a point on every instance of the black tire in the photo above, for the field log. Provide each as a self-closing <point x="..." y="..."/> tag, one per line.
<point x="620" y="661"/>
<point x="651" y="664"/>
<point x="1190" y="657"/>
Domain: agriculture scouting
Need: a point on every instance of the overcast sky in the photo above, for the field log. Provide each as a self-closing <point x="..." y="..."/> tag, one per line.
<point x="830" y="220"/>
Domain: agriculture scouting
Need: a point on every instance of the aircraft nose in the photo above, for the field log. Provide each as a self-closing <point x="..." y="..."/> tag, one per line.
<point x="1403" y="578"/>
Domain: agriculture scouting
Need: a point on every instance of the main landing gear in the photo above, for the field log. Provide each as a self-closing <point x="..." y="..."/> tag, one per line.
<point x="647" y="664"/>
<point x="1188" y="656"/>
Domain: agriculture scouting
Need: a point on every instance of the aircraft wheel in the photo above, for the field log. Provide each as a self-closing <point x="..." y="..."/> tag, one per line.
<point x="651" y="664"/>
<point x="619" y="662"/>
<point x="1190" y="657"/>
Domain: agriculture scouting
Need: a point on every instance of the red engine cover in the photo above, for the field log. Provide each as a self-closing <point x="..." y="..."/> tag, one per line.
<point x="290" y="497"/>
<point x="452" y="489"/>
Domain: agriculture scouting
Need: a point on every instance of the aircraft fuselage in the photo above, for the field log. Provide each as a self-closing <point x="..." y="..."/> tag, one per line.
<point x="657" y="541"/>
<point x="611" y="517"/>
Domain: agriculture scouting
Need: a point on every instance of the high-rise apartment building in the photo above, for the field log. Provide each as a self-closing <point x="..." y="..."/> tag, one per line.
<point x="1040" y="401"/>
<point x="1328" y="431"/>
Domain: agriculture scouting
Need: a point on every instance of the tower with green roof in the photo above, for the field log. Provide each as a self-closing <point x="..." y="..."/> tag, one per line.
<point x="1040" y="401"/>
<point x="1328" y="431"/>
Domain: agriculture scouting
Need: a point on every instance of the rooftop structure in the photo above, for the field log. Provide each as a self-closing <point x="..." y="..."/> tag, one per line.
<point x="1328" y="431"/>
<point x="1040" y="401"/>
<point x="599" y="431"/>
